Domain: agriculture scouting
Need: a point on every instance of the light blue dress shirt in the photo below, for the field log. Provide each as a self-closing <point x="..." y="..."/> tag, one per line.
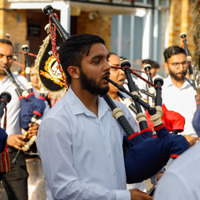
<point x="181" y="180"/>
<point x="81" y="153"/>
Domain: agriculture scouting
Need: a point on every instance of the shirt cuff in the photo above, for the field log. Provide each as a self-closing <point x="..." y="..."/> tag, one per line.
<point x="39" y="121"/>
<point x="123" y="195"/>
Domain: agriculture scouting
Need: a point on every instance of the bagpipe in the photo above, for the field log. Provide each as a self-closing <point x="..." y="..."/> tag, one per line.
<point x="31" y="108"/>
<point x="189" y="59"/>
<point x="144" y="155"/>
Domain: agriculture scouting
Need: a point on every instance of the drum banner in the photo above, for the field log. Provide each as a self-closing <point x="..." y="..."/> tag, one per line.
<point x="49" y="72"/>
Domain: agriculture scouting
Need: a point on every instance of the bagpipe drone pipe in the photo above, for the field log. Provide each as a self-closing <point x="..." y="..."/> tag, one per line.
<point x="34" y="107"/>
<point x="150" y="88"/>
<point x="189" y="58"/>
<point x="146" y="154"/>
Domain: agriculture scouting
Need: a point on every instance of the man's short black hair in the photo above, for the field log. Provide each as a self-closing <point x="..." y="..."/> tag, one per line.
<point x="155" y="65"/>
<point x="5" y="41"/>
<point x="147" y="61"/>
<point x="173" y="50"/>
<point x="72" y="51"/>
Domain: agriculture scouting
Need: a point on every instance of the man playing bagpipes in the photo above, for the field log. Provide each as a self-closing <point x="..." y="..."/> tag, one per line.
<point x="79" y="142"/>
<point x="86" y="140"/>
<point x="13" y="175"/>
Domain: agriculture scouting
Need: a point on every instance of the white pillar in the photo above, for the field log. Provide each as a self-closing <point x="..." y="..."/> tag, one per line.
<point x="132" y="38"/>
<point x="65" y="16"/>
<point x="146" y="35"/>
<point x="119" y="46"/>
<point x="155" y="32"/>
<point x="167" y="25"/>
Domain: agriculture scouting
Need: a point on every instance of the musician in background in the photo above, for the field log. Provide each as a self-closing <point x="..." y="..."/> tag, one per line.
<point x="177" y="93"/>
<point x="15" y="182"/>
<point x="79" y="142"/>
<point x="118" y="76"/>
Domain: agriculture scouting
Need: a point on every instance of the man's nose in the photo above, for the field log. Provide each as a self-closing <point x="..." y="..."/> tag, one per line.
<point x="122" y="72"/>
<point x="107" y="66"/>
<point x="181" y="66"/>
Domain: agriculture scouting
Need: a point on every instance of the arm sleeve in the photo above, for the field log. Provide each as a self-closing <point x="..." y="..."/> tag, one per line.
<point x="57" y="160"/>
<point x="173" y="187"/>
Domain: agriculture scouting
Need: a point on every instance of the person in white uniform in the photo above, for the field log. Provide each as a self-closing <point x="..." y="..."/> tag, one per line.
<point x="79" y="142"/>
<point x="177" y="93"/>
<point x="15" y="182"/>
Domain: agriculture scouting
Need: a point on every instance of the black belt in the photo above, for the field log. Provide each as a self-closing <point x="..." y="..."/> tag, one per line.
<point x="11" y="149"/>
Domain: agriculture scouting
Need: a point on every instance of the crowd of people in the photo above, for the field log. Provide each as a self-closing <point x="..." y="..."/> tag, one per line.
<point x="80" y="144"/>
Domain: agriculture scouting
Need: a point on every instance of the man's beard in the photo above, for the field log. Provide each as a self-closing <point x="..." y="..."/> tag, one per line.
<point x="174" y="76"/>
<point x="90" y="85"/>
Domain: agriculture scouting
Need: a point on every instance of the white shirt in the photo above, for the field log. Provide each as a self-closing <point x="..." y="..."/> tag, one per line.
<point x="81" y="153"/>
<point x="13" y="107"/>
<point x="181" y="180"/>
<point x="182" y="101"/>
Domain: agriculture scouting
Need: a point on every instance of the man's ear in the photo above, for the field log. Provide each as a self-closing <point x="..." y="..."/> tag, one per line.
<point x="74" y="71"/>
<point x="166" y="67"/>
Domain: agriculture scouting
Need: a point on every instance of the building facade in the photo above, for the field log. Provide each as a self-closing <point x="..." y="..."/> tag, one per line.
<point x="135" y="29"/>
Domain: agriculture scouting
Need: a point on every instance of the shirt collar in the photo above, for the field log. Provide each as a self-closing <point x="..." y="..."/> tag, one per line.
<point x="77" y="107"/>
<point x="168" y="83"/>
